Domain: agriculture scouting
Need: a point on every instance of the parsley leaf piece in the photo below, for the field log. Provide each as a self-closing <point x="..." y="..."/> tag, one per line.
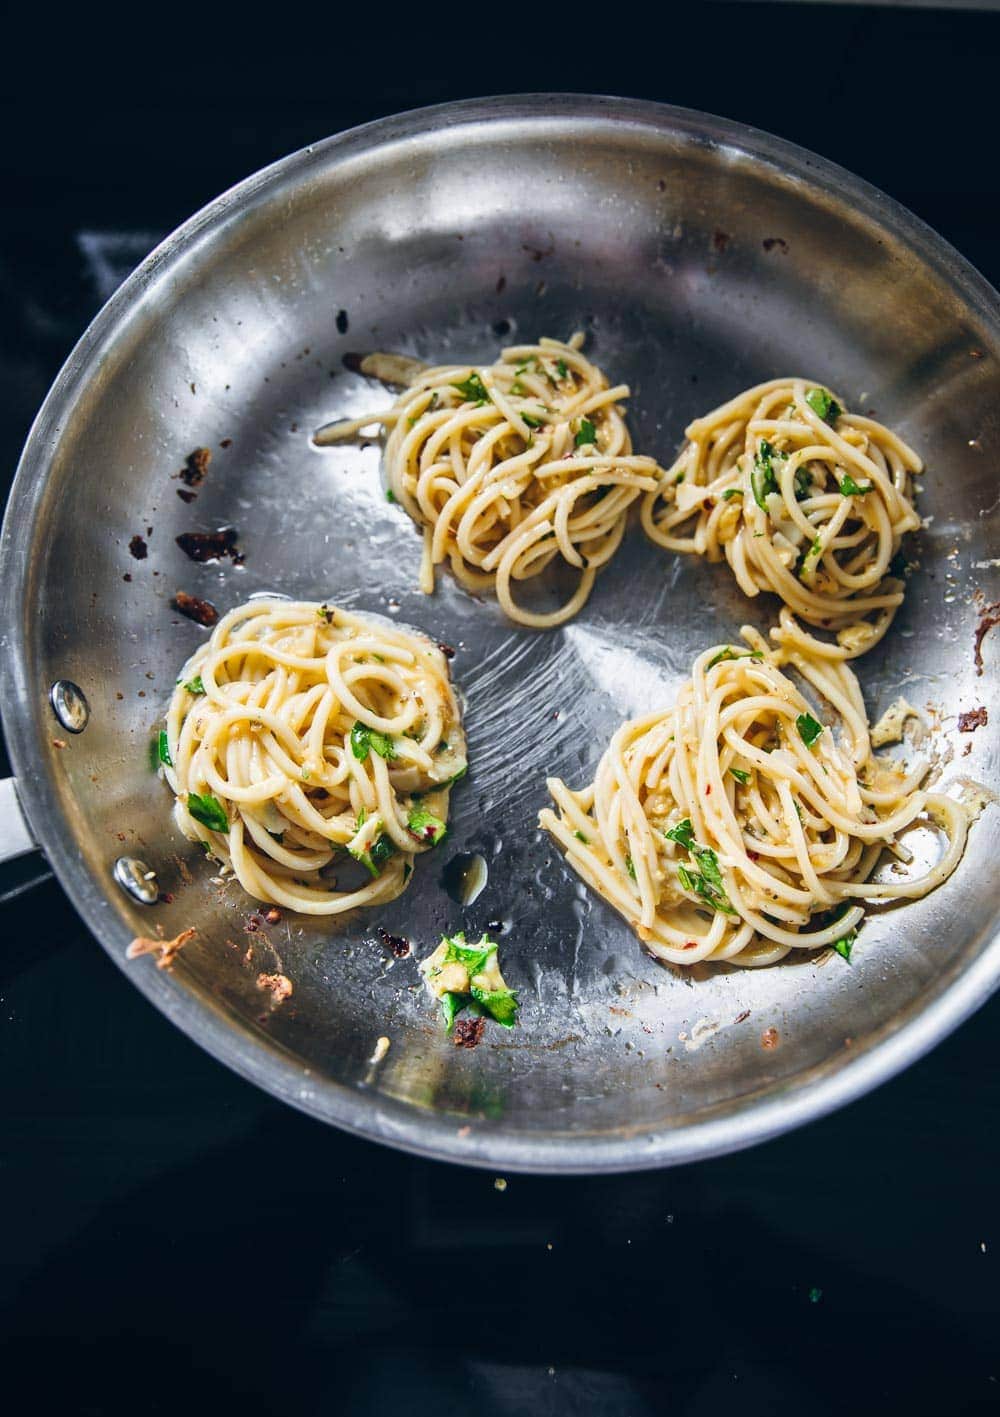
<point x="208" y="810"/>
<point x="824" y="405"/>
<point x="850" y="488"/>
<point x="740" y="775"/>
<point x="729" y="493"/>
<point x="682" y="833"/>
<point x="451" y="1006"/>
<point x="580" y="837"/>
<point x="473" y="390"/>
<point x="365" y="740"/>
<point x="803" y="484"/>
<point x="845" y="944"/>
<point x="163" y="749"/>
<point x="809" y="729"/>
<point x="586" y="434"/>
<point x="532" y="420"/>
<point x="630" y="867"/>
<point x="730" y="653"/>
<point x="500" y="1004"/>
<point x="425" y="826"/>
<point x="195" y="685"/>
<point x="762" y="478"/>
<point x="561" y="369"/>
<point x="390" y="496"/>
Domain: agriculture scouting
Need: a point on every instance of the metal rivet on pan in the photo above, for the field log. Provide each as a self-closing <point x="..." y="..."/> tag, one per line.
<point x="137" y="880"/>
<point x="69" y="704"/>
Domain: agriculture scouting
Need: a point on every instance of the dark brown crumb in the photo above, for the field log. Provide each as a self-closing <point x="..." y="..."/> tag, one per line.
<point x="501" y="285"/>
<point x="195" y="467"/>
<point x="971" y="720"/>
<point x="398" y="944"/>
<point x="59" y="742"/>
<point x="252" y="926"/>
<point x="226" y="443"/>
<point x="342" y="322"/>
<point x="272" y="915"/>
<point x="742" y="1018"/>
<point x="202" y="612"/>
<point x="127" y="576"/>
<point x="538" y="253"/>
<point x="779" y="242"/>
<point x="166" y="897"/>
<point x="138" y="548"/>
<point x="186" y="495"/>
<point x="468" y="1032"/>
<point x="720" y="240"/>
<point x="988" y="617"/>
<point x="211" y="545"/>
<point x="446" y="650"/>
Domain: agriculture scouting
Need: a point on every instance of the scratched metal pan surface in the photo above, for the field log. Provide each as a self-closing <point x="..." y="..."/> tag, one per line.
<point x="699" y="257"/>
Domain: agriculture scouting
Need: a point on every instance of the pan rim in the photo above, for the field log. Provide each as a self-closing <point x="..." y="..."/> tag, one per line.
<point x="742" y="1122"/>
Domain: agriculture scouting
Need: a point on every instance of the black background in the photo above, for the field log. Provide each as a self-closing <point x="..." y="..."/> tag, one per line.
<point x="173" y="1239"/>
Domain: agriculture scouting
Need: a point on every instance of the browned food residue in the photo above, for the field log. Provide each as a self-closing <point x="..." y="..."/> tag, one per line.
<point x="447" y="650"/>
<point x="988" y="617"/>
<point x="226" y="443"/>
<point x="211" y="545"/>
<point x="769" y="1038"/>
<point x="972" y="719"/>
<point x="202" y="612"/>
<point x="167" y="950"/>
<point x="195" y="467"/>
<point x="272" y="914"/>
<point x="186" y="495"/>
<point x="138" y="548"/>
<point x="398" y="944"/>
<point x="279" y="986"/>
<point x="742" y="1018"/>
<point x="720" y="240"/>
<point x="779" y="243"/>
<point x="468" y="1032"/>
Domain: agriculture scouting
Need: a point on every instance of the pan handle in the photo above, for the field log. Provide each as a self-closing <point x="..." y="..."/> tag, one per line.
<point x="16" y="840"/>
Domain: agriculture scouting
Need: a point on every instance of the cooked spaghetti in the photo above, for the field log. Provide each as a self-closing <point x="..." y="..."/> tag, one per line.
<point x="735" y="826"/>
<point x="302" y="739"/>
<point x="510" y="465"/>
<point x="802" y="499"/>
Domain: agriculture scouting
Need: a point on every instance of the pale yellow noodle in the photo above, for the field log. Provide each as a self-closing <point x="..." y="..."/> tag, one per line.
<point x="827" y="553"/>
<point x="502" y="487"/>
<point x="285" y="682"/>
<point x="793" y="830"/>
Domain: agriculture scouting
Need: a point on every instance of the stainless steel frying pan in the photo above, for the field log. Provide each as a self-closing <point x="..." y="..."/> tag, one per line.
<point x="699" y="257"/>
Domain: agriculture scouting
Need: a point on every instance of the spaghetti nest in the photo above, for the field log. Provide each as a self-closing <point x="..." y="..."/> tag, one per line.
<point x="508" y="466"/>
<point x="734" y="826"/>
<point x="802" y="499"/>
<point x="300" y="736"/>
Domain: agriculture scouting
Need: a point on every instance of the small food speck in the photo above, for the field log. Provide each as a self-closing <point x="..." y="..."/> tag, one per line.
<point x="381" y="1048"/>
<point x="211" y="545"/>
<point x="468" y="1032"/>
<point x="127" y="576"/>
<point x="226" y="443"/>
<point x="272" y="914"/>
<point x="815" y="1295"/>
<point x="769" y="1038"/>
<point x="988" y="617"/>
<point x="975" y="718"/>
<point x="59" y="742"/>
<point x="499" y="1184"/>
<point x="202" y="612"/>
<point x="138" y="548"/>
<point x="166" y="949"/>
<point x="399" y="945"/>
<point x="342" y="322"/>
<point x="720" y="240"/>
<point x="195" y="467"/>
<point x="279" y="986"/>
<point x="771" y="243"/>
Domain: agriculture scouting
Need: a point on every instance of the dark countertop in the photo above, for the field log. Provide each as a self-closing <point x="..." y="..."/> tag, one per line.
<point x="176" y="1240"/>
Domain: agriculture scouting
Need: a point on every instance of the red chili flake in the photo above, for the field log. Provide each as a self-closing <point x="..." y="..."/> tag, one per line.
<point x="975" y="718"/>
<point x="754" y="855"/>
<point x="398" y="944"/>
<point x="138" y="548"/>
<point x="708" y="790"/>
<point x="202" y="612"/>
<point x="468" y="1032"/>
<point x="690" y="944"/>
